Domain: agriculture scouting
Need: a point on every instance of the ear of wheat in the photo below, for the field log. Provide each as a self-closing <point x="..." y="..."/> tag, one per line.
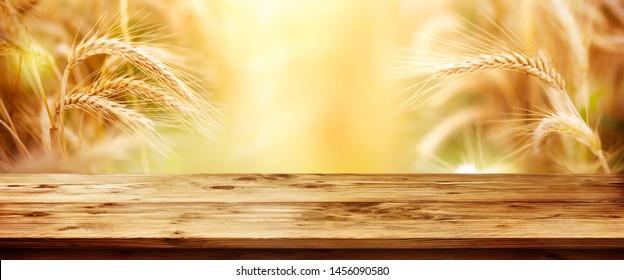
<point x="575" y="128"/>
<point x="146" y="90"/>
<point x="126" y="119"/>
<point x="168" y="91"/>
<point x="192" y="113"/>
<point x="109" y="110"/>
<point x="513" y="61"/>
<point x="114" y="86"/>
<point x="138" y="57"/>
<point x="564" y="119"/>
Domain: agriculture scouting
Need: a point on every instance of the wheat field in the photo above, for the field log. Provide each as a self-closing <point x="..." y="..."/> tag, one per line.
<point x="482" y="86"/>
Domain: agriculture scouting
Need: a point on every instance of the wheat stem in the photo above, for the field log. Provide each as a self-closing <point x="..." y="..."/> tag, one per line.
<point x="42" y="93"/>
<point x="6" y="115"/>
<point x="577" y="47"/>
<point x="61" y="112"/>
<point x="603" y="162"/>
<point x="123" y="12"/>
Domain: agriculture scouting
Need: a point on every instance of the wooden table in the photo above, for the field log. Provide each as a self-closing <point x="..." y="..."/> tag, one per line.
<point x="311" y="216"/>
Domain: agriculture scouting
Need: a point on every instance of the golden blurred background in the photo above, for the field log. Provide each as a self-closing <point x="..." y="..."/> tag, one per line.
<point x="304" y="88"/>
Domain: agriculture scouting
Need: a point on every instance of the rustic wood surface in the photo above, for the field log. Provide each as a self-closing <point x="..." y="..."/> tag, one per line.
<point x="251" y="212"/>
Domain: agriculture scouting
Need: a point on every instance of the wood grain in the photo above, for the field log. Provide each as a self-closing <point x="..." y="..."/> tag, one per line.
<point x="312" y="211"/>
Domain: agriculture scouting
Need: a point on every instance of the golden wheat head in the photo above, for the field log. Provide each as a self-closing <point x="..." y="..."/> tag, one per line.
<point x="157" y="83"/>
<point x="513" y="61"/>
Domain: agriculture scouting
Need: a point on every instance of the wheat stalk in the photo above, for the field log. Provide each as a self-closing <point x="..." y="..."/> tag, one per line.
<point x="564" y="121"/>
<point x="10" y="127"/>
<point x="513" y="61"/>
<point x="18" y="142"/>
<point x="177" y="96"/>
<point x="137" y="57"/>
<point x="578" y="48"/>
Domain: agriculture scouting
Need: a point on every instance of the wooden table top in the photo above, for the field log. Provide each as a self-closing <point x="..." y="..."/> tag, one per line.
<point x="311" y="211"/>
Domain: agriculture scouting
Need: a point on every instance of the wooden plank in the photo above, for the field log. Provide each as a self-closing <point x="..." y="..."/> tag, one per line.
<point x="312" y="211"/>
<point x="310" y="188"/>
